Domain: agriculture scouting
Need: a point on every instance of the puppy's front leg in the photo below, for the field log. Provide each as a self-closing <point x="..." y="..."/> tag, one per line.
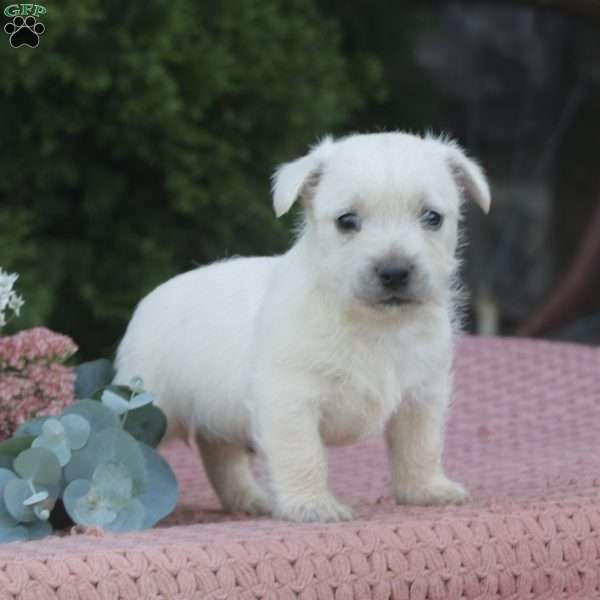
<point x="415" y="438"/>
<point x="288" y="431"/>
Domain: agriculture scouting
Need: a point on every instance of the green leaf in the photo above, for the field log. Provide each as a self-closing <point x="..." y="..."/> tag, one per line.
<point x="147" y="424"/>
<point x="38" y="530"/>
<point x="84" y="508"/>
<point x="130" y="517"/>
<point x="13" y="534"/>
<point x="160" y="497"/>
<point x="90" y="376"/>
<point x="115" y="402"/>
<point x="59" y="448"/>
<point x="16" y="445"/>
<point x="98" y="416"/>
<point x="53" y="438"/>
<point x="113" y="483"/>
<point x="77" y="430"/>
<point x="32" y="428"/>
<point x="108" y="446"/>
<point x="6" y="520"/>
<point x="106" y="501"/>
<point x="16" y="492"/>
<point x="5" y="476"/>
<point x="40" y="466"/>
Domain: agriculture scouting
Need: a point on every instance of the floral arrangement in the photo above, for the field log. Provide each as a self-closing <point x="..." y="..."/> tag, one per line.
<point x="33" y="379"/>
<point x="90" y="462"/>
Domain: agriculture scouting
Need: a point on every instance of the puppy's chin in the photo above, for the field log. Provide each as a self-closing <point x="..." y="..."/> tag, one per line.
<point x="397" y="301"/>
<point x="390" y="303"/>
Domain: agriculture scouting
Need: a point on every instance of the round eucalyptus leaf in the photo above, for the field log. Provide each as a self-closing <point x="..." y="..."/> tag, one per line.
<point x="97" y="415"/>
<point x="5" y="476"/>
<point x="147" y="424"/>
<point x="77" y="430"/>
<point x="6" y="519"/>
<point x="38" y="530"/>
<point x="160" y="497"/>
<point x="108" y="446"/>
<point x="58" y="446"/>
<point x="16" y="444"/>
<point x="53" y="428"/>
<point x="93" y="375"/>
<point x="16" y="491"/>
<point x="33" y="427"/>
<point x="113" y="483"/>
<point x="130" y="517"/>
<point x="84" y="507"/>
<point x="76" y="490"/>
<point x="40" y="466"/>
<point x="13" y="534"/>
<point x="115" y="402"/>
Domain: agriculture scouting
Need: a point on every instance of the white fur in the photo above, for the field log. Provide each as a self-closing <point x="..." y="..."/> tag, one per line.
<point x="295" y="352"/>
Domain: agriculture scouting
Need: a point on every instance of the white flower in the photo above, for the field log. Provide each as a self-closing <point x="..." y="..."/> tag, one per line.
<point x="9" y="299"/>
<point x="7" y="281"/>
<point x="15" y="302"/>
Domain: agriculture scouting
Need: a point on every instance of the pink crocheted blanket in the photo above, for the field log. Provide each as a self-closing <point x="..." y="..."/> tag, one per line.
<point x="524" y="436"/>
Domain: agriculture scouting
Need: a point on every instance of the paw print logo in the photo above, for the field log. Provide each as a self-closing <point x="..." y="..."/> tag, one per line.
<point x="24" y="32"/>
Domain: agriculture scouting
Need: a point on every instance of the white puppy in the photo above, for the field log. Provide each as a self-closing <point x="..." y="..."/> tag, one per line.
<point x="348" y="333"/>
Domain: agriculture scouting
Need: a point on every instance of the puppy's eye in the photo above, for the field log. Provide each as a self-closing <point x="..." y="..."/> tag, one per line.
<point x="432" y="219"/>
<point x="348" y="222"/>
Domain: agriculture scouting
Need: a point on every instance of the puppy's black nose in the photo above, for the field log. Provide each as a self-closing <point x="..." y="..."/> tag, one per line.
<point x="394" y="276"/>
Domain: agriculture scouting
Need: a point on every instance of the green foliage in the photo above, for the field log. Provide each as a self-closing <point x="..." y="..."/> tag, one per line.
<point x="11" y="448"/>
<point x="138" y="142"/>
<point x="91" y="376"/>
<point x="147" y="424"/>
<point x="60" y="436"/>
<point x="95" y="413"/>
<point x="382" y="37"/>
<point x="88" y="463"/>
<point x="144" y="421"/>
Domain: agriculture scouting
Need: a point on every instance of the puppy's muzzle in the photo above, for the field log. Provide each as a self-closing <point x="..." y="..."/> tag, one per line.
<point x="395" y="276"/>
<point x="396" y="279"/>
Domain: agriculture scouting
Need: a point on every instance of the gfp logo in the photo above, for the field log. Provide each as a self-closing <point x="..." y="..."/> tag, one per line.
<point x="24" y="29"/>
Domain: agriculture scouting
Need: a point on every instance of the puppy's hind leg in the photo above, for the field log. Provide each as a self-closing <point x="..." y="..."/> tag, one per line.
<point x="228" y="468"/>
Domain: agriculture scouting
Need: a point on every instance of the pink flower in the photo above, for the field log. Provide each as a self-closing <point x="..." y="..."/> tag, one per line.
<point x="33" y="382"/>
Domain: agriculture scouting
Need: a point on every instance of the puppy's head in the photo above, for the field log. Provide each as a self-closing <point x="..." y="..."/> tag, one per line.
<point x="382" y="213"/>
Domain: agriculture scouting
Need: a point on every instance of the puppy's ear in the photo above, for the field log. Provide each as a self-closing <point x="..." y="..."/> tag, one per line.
<point x="469" y="176"/>
<point x="298" y="180"/>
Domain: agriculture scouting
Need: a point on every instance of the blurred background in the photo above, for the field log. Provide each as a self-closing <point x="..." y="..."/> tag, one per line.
<point x="137" y="141"/>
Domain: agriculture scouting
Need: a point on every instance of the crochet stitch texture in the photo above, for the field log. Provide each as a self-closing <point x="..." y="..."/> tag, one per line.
<point x="524" y="437"/>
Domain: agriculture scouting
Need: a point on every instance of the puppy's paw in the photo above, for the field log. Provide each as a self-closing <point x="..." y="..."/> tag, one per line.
<point x="253" y="501"/>
<point x="322" y="509"/>
<point x="438" y="491"/>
